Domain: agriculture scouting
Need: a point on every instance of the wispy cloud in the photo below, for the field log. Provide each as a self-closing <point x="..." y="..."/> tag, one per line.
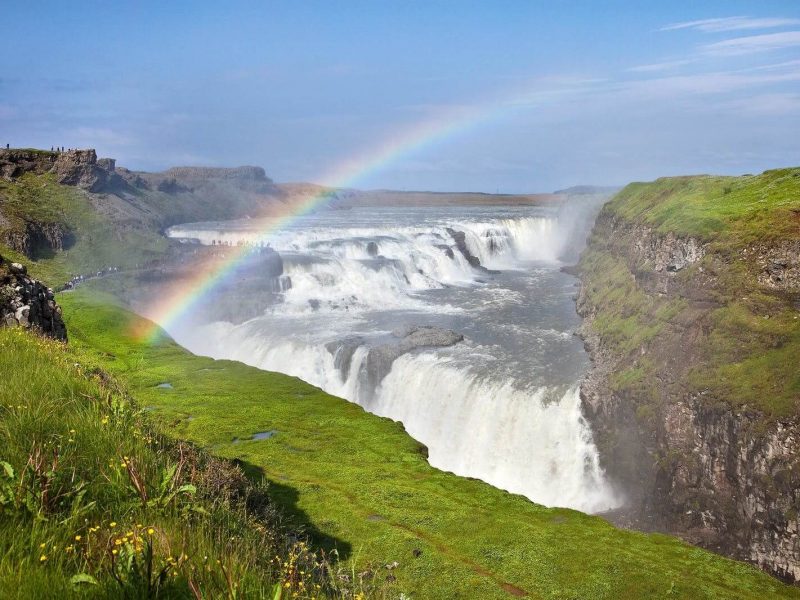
<point x="709" y="83"/>
<point x="733" y="24"/>
<point x="661" y="66"/>
<point x="754" y="43"/>
<point x="777" y="104"/>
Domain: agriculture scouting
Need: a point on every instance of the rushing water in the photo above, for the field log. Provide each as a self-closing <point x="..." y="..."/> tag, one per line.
<point x="502" y="405"/>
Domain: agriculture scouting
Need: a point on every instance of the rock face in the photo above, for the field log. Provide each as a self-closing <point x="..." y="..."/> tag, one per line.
<point x="190" y="179"/>
<point x="38" y="238"/>
<point x="780" y="265"/>
<point x="460" y="239"/>
<point x="380" y="358"/>
<point x="80" y="168"/>
<point x="722" y="477"/>
<point x="14" y="163"/>
<point x="667" y="252"/>
<point x="28" y="303"/>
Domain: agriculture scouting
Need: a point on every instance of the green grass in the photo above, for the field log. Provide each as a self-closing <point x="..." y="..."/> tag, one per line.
<point x="95" y="503"/>
<point x="732" y="210"/>
<point x="361" y="485"/>
<point x="743" y="348"/>
<point x="98" y="242"/>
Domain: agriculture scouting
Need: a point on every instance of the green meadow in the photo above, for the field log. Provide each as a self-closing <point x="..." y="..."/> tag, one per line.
<point x="359" y="485"/>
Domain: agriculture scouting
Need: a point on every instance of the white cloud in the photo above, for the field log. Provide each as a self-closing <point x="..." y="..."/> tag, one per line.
<point x="661" y="66"/>
<point x="754" y="43"/>
<point x="708" y="83"/>
<point x="733" y="24"/>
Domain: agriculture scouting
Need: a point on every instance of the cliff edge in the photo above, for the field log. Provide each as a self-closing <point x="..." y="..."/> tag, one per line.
<point x="691" y="300"/>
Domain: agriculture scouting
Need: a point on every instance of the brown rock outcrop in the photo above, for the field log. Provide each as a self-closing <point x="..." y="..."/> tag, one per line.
<point x="80" y="168"/>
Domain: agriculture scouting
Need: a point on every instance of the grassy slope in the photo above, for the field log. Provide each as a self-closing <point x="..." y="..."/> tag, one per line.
<point x="98" y="244"/>
<point x="110" y="231"/>
<point x="361" y="484"/>
<point x="748" y="353"/>
<point x="69" y="507"/>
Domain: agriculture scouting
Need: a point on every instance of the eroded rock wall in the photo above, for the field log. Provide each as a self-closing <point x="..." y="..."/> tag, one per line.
<point x="80" y="168"/>
<point x="722" y="477"/>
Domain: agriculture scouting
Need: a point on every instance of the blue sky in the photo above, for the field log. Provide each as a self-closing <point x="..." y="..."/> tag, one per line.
<point x="532" y="96"/>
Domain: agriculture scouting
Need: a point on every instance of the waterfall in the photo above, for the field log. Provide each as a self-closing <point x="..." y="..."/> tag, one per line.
<point x="519" y="432"/>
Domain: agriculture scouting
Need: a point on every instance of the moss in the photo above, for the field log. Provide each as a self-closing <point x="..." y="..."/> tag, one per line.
<point x="360" y="485"/>
<point x="729" y="210"/>
<point x="628" y="378"/>
<point x="742" y="351"/>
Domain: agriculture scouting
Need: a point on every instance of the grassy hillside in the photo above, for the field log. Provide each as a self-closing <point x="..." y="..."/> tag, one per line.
<point x="362" y="486"/>
<point x="120" y="229"/>
<point x="729" y="211"/>
<point x="97" y="240"/>
<point x="95" y="503"/>
<point x="736" y="341"/>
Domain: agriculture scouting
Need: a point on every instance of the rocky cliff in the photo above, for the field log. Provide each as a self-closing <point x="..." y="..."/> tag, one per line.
<point x="691" y="298"/>
<point x="28" y="303"/>
<point x="89" y="215"/>
<point x="80" y="168"/>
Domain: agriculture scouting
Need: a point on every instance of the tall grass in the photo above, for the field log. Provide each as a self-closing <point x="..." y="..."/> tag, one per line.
<point x="94" y="502"/>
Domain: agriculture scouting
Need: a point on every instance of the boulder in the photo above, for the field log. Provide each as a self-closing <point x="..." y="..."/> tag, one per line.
<point x="28" y="303"/>
<point x="22" y="314"/>
<point x="380" y="358"/>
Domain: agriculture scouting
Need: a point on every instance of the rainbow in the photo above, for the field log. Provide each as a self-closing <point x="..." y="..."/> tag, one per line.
<point x="346" y="174"/>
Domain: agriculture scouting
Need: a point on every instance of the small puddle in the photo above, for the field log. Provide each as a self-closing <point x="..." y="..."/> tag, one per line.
<point x="164" y="386"/>
<point x="259" y="435"/>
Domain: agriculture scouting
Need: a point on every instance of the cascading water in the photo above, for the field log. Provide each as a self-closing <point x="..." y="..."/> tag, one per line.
<point x="501" y="404"/>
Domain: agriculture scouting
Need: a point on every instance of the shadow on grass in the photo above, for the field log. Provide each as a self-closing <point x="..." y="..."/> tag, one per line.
<point x="286" y="498"/>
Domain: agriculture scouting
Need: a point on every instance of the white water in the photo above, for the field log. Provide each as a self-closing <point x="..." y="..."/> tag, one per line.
<point x="501" y="406"/>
